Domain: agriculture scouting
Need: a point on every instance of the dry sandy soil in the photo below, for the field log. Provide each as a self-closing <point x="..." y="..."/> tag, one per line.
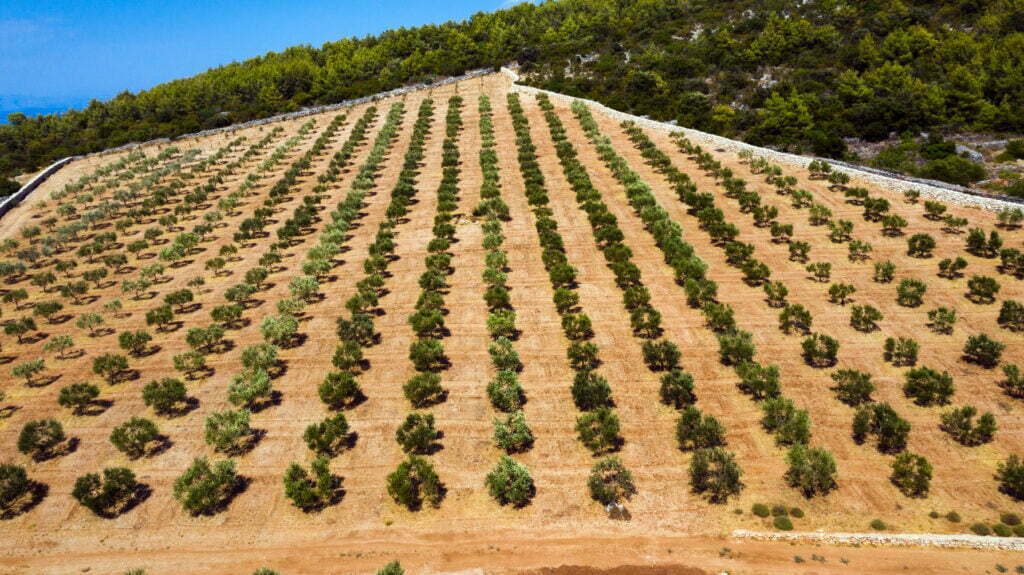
<point x="563" y="530"/>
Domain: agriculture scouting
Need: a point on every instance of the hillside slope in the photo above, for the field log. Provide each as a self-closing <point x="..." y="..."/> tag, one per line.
<point x="449" y="152"/>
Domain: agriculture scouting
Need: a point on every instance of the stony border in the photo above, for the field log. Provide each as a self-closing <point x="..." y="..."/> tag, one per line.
<point x="14" y="199"/>
<point x="891" y="539"/>
<point x="892" y="182"/>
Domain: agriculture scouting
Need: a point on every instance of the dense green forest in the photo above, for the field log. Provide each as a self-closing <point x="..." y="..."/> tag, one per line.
<point x="799" y="74"/>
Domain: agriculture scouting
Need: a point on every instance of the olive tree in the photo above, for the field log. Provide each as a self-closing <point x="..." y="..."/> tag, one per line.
<point x="509" y="483"/>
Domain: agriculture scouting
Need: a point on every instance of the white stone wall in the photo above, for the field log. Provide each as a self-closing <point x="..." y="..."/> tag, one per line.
<point x="928" y="189"/>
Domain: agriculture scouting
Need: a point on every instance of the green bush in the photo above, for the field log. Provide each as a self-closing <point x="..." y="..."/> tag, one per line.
<point x="610" y="481"/>
<point x="1011" y="519"/>
<point x="796" y="512"/>
<point x="980" y="529"/>
<point x="1002" y="530"/>
<point x="953" y="517"/>
<point x="760" y="509"/>
<point x="510" y="483"/>
<point x="782" y="523"/>
<point x="878" y="525"/>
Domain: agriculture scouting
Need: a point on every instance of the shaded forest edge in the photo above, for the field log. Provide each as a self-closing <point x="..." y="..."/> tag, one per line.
<point x="781" y="73"/>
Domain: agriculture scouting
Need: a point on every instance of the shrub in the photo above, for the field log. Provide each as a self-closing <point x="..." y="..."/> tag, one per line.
<point x="961" y="425"/>
<point x="980" y="529"/>
<point x="78" y="396"/>
<point x="942" y="319"/>
<point x="180" y="298"/>
<point x="203" y="488"/>
<point x="134" y="436"/>
<point x="661" y="355"/>
<point x="951" y="269"/>
<point x="796" y="512"/>
<point x="735" y="348"/>
<point x="598" y="430"/>
<point x="983" y="350"/>
<point x="1014" y="382"/>
<point x="719" y="317"/>
<point x="427" y="354"/>
<point x="696" y="431"/>
<point x="229" y="431"/>
<point x="789" y="424"/>
<point x="776" y="293"/>
<point x="89" y="321"/>
<point x="811" y="470"/>
<point x="565" y="300"/>
<point x="512" y="433"/>
<point x="510" y="483"/>
<point x="505" y="392"/>
<point x="982" y="289"/>
<point x="798" y="251"/>
<point x="327" y="436"/>
<point x="900" y="351"/>
<point x="1011" y="519"/>
<point x="820" y="350"/>
<point x="358" y="329"/>
<point x="840" y="293"/>
<point x="166" y="396"/>
<point x="502" y="323"/>
<point x="821" y="271"/>
<point x="715" y="472"/>
<point x="28" y="369"/>
<point x="878" y="525"/>
<point x="1010" y="475"/>
<point x="758" y="380"/>
<point x="853" y="387"/>
<point x="249" y="388"/>
<point x="576" y="326"/>
<point x="1011" y="315"/>
<point x="160" y="317"/>
<point x="978" y="245"/>
<point x="110" y="366"/>
<point x="581" y="355"/>
<point x="865" y="318"/>
<point x="881" y="420"/>
<point x="103" y="496"/>
<point x="912" y="474"/>
<point x="339" y="390"/>
<point x="760" y="510"/>
<point x="204" y="339"/>
<point x="676" y="389"/>
<point x="417" y="433"/>
<point x="308" y="492"/>
<point x="910" y="292"/>
<point x="1002" y="530"/>
<point x="590" y="391"/>
<point x="134" y="342"/>
<point x="610" y="481"/>
<point x="423" y="389"/>
<point x="228" y="315"/>
<point x="261" y="356"/>
<point x="920" y="246"/>
<point x="415" y="482"/>
<point x="59" y="344"/>
<point x="39" y="438"/>
<point x="884" y="271"/>
<point x="190" y="362"/>
<point x="795" y="317"/>
<point x="783" y="523"/>
<point x="14" y="485"/>
<point x="279" y="330"/>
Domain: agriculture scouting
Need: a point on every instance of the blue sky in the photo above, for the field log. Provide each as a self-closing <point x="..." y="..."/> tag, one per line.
<point x="55" y="52"/>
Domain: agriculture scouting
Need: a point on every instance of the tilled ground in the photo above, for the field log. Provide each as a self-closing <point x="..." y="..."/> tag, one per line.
<point x="669" y="525"/>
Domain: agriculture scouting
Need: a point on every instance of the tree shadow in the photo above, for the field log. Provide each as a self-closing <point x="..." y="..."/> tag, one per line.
<point x="95" y="407"/>
<point x="62" y="449"/>
<point x="44" y="381"/>
<point x="33" y="496"/>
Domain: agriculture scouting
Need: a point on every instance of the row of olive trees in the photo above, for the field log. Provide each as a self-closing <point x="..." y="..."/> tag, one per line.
<point x="598" y="425"/>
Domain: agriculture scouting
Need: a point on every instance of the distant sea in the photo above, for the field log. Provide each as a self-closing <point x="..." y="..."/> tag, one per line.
<point x="37" y="105"/>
